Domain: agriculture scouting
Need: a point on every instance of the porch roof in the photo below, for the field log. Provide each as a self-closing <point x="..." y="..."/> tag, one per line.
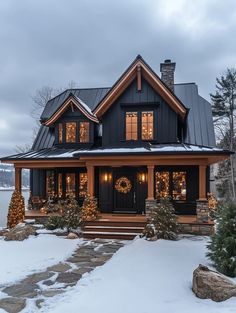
<point x="160" y="149"/>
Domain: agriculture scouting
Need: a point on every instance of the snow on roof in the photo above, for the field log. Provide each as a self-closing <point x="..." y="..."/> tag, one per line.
<point x="57" y="153"/>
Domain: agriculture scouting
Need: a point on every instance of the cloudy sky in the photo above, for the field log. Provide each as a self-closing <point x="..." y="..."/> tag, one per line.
<point x="53" y="42"/>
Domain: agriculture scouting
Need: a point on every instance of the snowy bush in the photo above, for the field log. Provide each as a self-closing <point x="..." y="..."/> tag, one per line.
<point x="162" y="222"/>
<point x="222" y="248"/>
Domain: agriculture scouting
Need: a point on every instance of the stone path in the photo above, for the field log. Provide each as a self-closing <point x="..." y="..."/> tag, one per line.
<point x="57" y="278"/>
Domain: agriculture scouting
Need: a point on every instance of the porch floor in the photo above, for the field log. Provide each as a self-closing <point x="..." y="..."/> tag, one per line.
<point x="106" y="217"/>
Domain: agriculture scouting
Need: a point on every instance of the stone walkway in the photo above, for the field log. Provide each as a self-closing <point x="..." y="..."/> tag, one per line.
<point x="56" y="279"/>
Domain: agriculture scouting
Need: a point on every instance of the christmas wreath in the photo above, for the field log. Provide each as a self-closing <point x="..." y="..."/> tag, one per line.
<point x="123" y="185"/>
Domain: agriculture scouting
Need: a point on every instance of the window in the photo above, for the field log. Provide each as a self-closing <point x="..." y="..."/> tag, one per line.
<point x="50" y="183"/>
<point x="162" y="184"/>
<point x="147" y="125"/>
<point x="172" y="184"/>
<point x="59" y="184"/>
<point x="70" y="184"/>
<point x="83" y="179"/>
<point x="60" y="133"/>
<point x="131" y="122"/>
<point x="179" y="186"/>
<point x="70" y="132"/>
<point x="84" y="131"/>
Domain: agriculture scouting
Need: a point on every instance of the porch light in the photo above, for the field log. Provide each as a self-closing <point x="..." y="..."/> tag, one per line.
<point x="107" y="177"/>
<point x="142" y="177"/>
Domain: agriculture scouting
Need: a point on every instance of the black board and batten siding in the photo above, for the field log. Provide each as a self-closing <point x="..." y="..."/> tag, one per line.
<point x="113" y="121"/>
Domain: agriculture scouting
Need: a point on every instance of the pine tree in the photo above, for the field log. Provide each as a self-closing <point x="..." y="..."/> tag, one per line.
<point x="222" y="248"/>
<point x="223" y="107"/>
<point x="16" y="211"/>
<point x="72" y="214"/>
<point x="89" y="210"/>
<point x="162" y="222"/>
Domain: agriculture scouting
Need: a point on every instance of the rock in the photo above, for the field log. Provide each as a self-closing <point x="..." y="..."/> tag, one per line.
<point x="52" y="292"/>
<point x="24" y="290"/>
<point x="12" y="305"/>
<point x="39" y="303"/>
<point x="20" y="232"/>
<point x="61" y="267"/>
<point x="208" y="284"/>
<point x="29" y="221"/>
<point x="37" y="277"/>
<point x="82" y="270"/>
<point x="72" y="236"/>
<point x="68" y="278"/>
<point x="3" y="232"/>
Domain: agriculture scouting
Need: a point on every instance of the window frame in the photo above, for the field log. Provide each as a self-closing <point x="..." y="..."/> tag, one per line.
<point x="171" y="183"/>
<point x="139" y="112"/>
<point x="77" y="132"/>
<point x="137" y="132"/>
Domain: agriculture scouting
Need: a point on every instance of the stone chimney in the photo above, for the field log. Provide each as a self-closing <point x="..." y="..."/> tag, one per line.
<point x="167" y="73"/>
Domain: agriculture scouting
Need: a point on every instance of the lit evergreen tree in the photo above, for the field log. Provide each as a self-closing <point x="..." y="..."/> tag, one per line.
<point x="16" y="211"/>
<point x="222" y="248"/>
<point x="89" y="210"/>
<point x="72" y="214"/>
<point x="162" y="222"/>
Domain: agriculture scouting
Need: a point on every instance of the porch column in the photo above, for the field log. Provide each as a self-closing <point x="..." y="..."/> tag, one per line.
<point x="90" y="173"/>
<point x="150" y="182"/>
<point x="18" y="178"/>
<point x="202" y="203"/>
<point x="202" y="183"/>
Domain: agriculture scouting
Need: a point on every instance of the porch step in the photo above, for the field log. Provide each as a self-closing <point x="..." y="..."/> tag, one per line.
<point x="109" y="235"/>
<point x="113" y="229"/>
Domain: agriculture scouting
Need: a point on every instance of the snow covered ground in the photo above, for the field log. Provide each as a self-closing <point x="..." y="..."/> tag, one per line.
<point x="19" y="259"/>
<point x="143" y="277"/>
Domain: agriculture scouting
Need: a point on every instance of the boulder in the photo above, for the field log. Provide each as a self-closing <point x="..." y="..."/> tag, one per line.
<point x="20" y="232"/>
<point x="72" y="236"/>
<point x="208" y="284"/>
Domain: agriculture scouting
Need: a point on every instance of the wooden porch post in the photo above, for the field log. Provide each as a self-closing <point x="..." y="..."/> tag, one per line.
<point x="202" y="182"/>
<point x="18" y="178"/>
<point x="150" y="182"/>
<point x="90" y="173"/>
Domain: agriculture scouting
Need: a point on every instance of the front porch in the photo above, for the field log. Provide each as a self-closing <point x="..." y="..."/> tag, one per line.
<point x="127" y="226"/>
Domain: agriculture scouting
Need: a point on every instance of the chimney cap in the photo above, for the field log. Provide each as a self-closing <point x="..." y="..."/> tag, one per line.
<point x="167" y="61"/>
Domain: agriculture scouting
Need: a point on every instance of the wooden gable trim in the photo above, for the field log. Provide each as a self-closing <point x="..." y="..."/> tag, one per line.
<point x="70" y="102"/>
<point x="136" y="70"/>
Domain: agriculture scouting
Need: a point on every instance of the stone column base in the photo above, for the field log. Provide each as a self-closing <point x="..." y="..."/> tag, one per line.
<point x="202" y="211"/>
<point x="150" y="204"/>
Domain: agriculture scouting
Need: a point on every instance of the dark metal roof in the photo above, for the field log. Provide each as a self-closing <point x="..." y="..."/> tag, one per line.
<point x="44" y="139"/>
<point x="200" y="128"/>
<point x="90" y="96"/>
<point x="161" y="149"/>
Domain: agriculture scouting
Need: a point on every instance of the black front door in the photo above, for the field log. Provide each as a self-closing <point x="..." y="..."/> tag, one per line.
<point x="124" y="191"/>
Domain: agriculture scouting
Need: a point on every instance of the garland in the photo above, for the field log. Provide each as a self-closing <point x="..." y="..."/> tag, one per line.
<point x="123" y="185"/>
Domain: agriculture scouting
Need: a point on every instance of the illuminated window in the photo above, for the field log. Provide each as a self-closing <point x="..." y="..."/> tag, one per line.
<point x="162" y="184"/>
<point x="50" y="183"/>
<point x="60" y="133"/>
<point x="131" y="122"/>
<point x="84" y="132"/>
<point x="71" y="132"/>
<point x="179" y="186"/>
<point x="59" y="184"/>
<point x="70" y="184"/>
<point x="83" y="180"/>
<point x="147" y="125"/>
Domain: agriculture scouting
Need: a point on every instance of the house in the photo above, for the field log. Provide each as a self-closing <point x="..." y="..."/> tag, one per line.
<point x="129" y="145"/>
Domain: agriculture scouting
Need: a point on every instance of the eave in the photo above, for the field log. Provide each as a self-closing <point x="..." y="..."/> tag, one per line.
<point x="137" y="69"/>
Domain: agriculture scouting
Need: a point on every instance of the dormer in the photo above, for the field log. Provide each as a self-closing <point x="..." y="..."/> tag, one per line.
<point x="74" y="123"/>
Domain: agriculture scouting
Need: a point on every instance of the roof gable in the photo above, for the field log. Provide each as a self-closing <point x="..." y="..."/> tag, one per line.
<point x="71" y="100"/>
<point x="137" y="69"/>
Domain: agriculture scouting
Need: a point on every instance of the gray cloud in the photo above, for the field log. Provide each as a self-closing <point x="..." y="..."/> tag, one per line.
<point x="91" y="42"/>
